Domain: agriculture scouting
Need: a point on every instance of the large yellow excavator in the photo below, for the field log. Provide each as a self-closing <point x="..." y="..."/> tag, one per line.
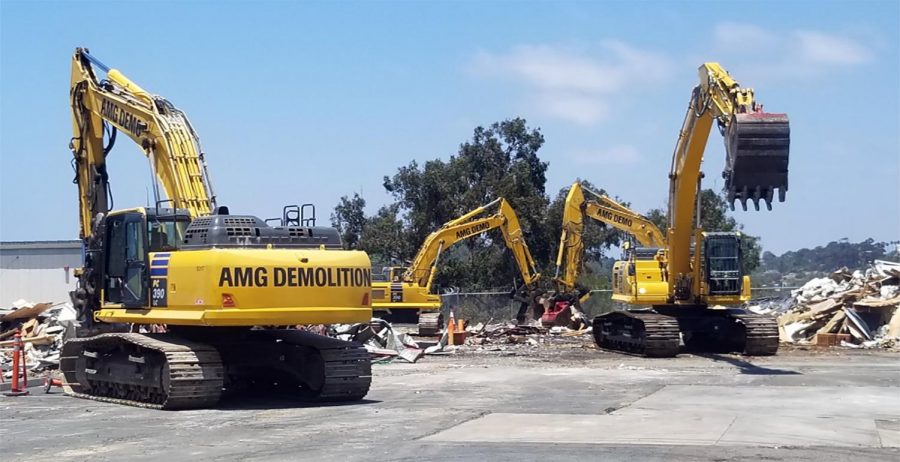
<point x="215" y="280"/>
<point x="408" y="290"/>
<point x="677" y="276"/>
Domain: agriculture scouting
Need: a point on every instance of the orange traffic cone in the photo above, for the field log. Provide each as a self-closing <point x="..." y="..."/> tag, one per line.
<point x="50" y="382"/>
<point x="451" y="328"/>
<point x="18" y="358"/>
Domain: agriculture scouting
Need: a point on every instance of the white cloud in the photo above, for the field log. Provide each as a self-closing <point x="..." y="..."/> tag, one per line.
<point x="757" y="53"/>
<point x="818" y="48"/>
<point x="623" y="154"/>
<point x="573" y="84"/>
<point x="574" y="107"/>
<point x="743" y="37"/>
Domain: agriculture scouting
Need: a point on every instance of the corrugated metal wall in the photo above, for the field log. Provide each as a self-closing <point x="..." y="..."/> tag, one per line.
<point x="37" y="273"/>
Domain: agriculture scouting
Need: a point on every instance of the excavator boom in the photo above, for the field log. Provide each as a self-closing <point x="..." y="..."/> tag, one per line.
<point x="104" y="107"/>
<point x="582" y="202"/>
<point x="472" y="224"/>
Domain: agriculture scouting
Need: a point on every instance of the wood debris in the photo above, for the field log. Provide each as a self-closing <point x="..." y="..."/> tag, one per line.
<point x="858" y="308"/>
<point x="43" y="327"/>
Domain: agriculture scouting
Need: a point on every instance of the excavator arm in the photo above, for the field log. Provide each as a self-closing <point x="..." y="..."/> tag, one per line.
<point x="757" y="147"/>
<point x="600" y="207"/>
<point x="102" y="108"/>
<point x="423" y="268"/>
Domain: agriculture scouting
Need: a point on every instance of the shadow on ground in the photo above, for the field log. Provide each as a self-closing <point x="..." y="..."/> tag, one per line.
<point x="746" y="367"/>
<point x="246" y="402"/>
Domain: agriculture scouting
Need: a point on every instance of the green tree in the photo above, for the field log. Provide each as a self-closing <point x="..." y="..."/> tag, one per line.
<point x="499" y="161"/>
<point x="350" y="219"/>
<point x="827" y="258"/>
<point x="384" y="239"/>
<point x="659" y="218"/>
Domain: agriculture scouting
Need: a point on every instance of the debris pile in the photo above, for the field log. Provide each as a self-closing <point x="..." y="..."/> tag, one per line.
<point x="381" y="340"/>
<point x="855" y="309"/>
<point x="44" y="326"/>
<point x="387" y="343"/>
<point x="508" y="337"/>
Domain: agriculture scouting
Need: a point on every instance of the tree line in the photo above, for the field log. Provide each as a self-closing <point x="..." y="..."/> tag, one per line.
<point x="501" y="160"/>
<point x="834" y="255"/>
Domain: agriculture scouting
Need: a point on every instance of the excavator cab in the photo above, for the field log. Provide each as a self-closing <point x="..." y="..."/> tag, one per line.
<point x="131" y="238"/>
<point x="722" y="263"/>
<point x="756" y="147"/>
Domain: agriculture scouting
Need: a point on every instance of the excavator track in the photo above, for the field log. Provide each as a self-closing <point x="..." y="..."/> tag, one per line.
<point x="297" y="364"/>
<point x="726" y="331"/>
<point x="430" y="323"/>
<point x="347" y="371"/>
<point x="348" y="374"/>
<point x="167" y="371"/>
<point x="645" y="333"/>
<point x="155" y="371"/>
<point x="761" y="334"/>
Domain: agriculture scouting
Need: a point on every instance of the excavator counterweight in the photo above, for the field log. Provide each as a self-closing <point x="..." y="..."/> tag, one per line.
<point x="757" y="145"/>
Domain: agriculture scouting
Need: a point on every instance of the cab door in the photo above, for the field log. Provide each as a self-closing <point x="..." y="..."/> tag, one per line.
<point x="126" y="267"/>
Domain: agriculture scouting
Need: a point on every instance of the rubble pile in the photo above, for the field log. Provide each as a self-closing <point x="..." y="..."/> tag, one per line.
<point x="387" y="343"/>
<point x="855" y="309"/>
<point x="381" y="340"/>
<point x="44" y="327"/>
<point x="510" y="337"/>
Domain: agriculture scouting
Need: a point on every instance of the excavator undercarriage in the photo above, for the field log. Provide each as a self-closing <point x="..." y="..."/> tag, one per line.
<point x="658" y="332"/>
<point x="192" y="367"/>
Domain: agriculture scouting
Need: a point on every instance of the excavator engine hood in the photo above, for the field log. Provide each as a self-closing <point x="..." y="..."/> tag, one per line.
<point x="757" y="146"/>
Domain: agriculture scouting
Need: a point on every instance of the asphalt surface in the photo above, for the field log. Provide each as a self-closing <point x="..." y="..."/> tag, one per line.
<point x="519" y="405"/>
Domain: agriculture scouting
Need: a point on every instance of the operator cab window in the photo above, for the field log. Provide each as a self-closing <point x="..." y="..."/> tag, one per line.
<point x="166" y="235"/>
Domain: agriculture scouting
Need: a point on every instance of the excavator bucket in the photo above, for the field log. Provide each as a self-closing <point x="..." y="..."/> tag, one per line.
<point x="757" y="146"/>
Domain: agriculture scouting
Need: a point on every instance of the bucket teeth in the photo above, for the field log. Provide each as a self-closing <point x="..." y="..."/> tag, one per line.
<point x="757" y="147"/>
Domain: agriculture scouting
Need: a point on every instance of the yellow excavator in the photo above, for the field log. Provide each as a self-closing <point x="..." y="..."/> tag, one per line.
<point x="677" y="277"/>
<point x="582" y="203"/>
<point x="602" y="208"/>
<point x="408" y="290"/>
<point x="214" y="280"/>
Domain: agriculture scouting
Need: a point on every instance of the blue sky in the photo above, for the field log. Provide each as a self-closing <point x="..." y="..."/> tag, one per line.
<point x="307" y="102"/>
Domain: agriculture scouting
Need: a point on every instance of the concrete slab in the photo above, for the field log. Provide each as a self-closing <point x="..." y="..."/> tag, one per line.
<point x="889" y="433"/>
<point x="809" y="401"/>
<point x="779" y="430"/>
<point x="710" y="415"/>
<point x="639" y="428"/>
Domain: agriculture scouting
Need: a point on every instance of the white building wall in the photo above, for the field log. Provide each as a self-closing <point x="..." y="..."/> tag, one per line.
<point x="38" y="271"/>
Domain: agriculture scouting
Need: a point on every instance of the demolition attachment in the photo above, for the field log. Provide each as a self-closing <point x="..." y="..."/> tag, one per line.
<point x="757" y="146"/>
